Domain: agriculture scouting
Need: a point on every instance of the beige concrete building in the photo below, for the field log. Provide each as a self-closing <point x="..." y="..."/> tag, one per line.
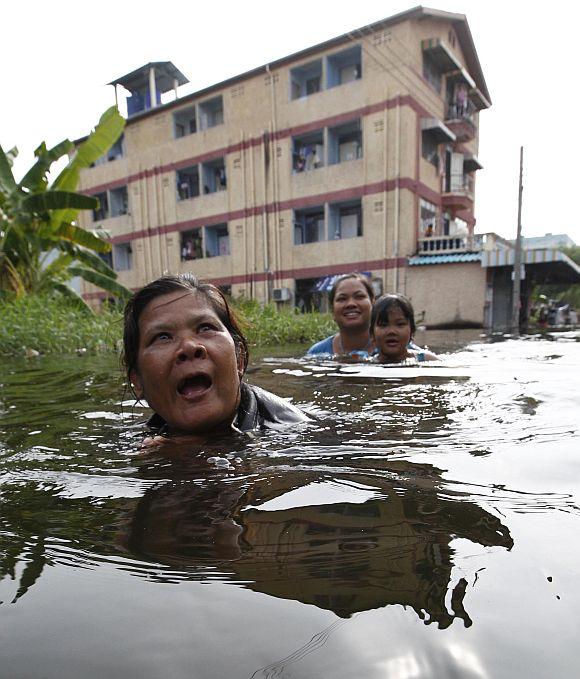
<point x="355" y="154"/>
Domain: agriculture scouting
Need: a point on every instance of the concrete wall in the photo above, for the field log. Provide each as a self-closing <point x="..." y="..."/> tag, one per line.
<point x="447" y="294"/>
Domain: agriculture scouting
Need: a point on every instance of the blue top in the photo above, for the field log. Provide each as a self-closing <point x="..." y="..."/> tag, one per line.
<point x="324" y="347"/>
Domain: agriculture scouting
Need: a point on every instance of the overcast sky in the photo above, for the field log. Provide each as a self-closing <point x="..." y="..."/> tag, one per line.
<point x="57" y="56"/>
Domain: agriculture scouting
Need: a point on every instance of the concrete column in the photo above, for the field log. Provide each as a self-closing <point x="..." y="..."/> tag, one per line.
<point x="152" y="88"/>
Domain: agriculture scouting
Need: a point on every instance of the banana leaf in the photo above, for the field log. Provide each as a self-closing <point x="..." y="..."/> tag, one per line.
<point x="101" y="281"/>
<point x="72" y="296"/>
<point x="56" y="267"/>
<point x="7" y="181"/>
<point x="59" y="200"/>
<point x="74" y="234"/>
<point x="91" y="261"/>
<point x="35" y="178"/>
<point x="105" y="134"/>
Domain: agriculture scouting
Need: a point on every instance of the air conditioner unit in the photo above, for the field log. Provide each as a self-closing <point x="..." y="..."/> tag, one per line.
<point x="281" y="294"/>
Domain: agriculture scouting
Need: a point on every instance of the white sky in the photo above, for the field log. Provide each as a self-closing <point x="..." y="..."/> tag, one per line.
<point x="57" y="56"/>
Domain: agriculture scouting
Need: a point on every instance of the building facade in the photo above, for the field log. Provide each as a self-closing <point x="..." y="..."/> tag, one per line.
<point x="353" y="155"/>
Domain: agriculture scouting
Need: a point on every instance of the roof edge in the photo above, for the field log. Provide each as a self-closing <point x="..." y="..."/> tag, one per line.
<point x="459" y="20"/>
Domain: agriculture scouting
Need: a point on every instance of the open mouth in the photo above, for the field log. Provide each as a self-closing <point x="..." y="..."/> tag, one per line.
<point x="391" y="344"/>
<point x="190" y="387"/>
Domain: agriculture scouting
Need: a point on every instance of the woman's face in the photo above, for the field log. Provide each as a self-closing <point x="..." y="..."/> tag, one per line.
<point x="352" y="305"/>
<point x="392" y="335"/>
<point x="187" y="368"/>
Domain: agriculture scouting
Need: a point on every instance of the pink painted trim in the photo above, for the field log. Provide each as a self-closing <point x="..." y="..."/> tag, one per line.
<point x="271" y="208"/>
<point x="308" y="272"/>
<point x="331" y="121"/>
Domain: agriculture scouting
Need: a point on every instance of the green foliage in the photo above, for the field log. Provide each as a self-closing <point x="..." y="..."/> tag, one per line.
<point x="41" y="246"/>
<point x="266" y="326"/>
<point x="56" y="324"/>
<point x="564" y="294"/>
<point x="60" y="324"/>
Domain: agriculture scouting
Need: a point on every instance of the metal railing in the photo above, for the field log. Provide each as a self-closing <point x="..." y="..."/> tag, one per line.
<point x="457" y="111"/>
<point x="449" y="244"/>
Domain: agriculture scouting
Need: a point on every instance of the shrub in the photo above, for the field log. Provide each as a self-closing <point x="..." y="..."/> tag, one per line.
<point x="52" y="324"/>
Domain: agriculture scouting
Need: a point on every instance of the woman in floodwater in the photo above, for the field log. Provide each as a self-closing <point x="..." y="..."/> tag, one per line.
<point x="185" y="354"/>
<point x="392" y="329"/>
<point x="351" y="299"/>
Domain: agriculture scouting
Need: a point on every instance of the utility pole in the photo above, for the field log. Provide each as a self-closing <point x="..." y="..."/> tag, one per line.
<point x="518" y="256"/>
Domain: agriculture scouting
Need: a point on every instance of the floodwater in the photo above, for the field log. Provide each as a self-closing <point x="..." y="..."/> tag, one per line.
<point x="425" y="525"/>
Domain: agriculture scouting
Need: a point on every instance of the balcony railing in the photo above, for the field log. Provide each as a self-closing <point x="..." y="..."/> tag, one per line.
<point x="438" y="245"/>
<point x="459" y="112"/>
<point x="460" y="119"/>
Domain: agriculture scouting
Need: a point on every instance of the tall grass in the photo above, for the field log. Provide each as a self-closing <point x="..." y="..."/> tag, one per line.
<point x="266" y="326"/>
<point x="51" y="325"/>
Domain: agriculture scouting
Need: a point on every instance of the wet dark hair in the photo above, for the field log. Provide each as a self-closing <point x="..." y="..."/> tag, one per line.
<point x="357" y="277"/>
<point x="165" y="286"/>
<point x="385" y="304"/>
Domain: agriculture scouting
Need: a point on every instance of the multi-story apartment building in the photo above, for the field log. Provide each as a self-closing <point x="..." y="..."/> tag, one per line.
<point x="354" y="154"/>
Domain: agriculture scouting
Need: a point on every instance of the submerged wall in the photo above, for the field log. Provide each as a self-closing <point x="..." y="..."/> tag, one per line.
<point x="447" y="295"/>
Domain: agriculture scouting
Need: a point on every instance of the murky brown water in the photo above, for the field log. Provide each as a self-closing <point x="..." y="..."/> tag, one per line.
<point x="425" y="526"/>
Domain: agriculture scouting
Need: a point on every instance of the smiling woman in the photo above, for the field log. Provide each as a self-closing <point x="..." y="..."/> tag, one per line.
<point x="351" y="299"/>
<point x="184" y="353"/>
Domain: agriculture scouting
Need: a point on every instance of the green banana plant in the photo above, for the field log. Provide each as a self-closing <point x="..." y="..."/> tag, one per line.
<point x="41" y="245"/>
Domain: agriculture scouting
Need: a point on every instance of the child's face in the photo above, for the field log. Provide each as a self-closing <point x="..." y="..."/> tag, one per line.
<point x="392" y="335"/>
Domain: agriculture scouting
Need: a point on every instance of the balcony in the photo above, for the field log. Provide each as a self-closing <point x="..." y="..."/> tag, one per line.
<point x="458" y="197"/>
<point x="461" y="121"/>
<point x="439" y="245"/>
<point x="458" y="186"/>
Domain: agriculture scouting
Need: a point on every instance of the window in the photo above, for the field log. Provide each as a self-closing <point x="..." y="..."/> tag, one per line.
<point x="431" y="73"/>
<point x="185" y="122"/>
<point x="428" y="218"/>
<point x="211" y="113"/>
<point x="306" y="79"/>
<point x="191" y="245"/>
<point x="345" y="220"/>
<point x="307" y="297"/>
<point x="112" y="203"/>
<point x="101" y="212"/>
<point x="308" y="152"/>
<point x="430" y="148"/>
<point x="188" y="183"/>
<point x="345" y="142"/>
<point x="308" y="225"/>
<point x="117" y="150"/>
<point x="107" y="257"/>
<point x="213" y="174"/>
<point x="122" y="257"/>
<point x="344" y="67"/>
<point x="119" y="201"/>
<point x="217" y="240"/>
<point x="455" y="177"/>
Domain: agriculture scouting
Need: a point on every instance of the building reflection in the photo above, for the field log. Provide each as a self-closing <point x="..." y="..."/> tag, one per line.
<point x="390" y="543"/>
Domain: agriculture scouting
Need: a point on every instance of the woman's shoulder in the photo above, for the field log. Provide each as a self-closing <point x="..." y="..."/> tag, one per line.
<point x="322" y="347"/>
<point x="259" y="408"/>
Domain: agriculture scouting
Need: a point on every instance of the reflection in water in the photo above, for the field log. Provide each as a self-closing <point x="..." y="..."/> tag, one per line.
<point x="295" y="546"/>
<point x="393" y="548"/>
